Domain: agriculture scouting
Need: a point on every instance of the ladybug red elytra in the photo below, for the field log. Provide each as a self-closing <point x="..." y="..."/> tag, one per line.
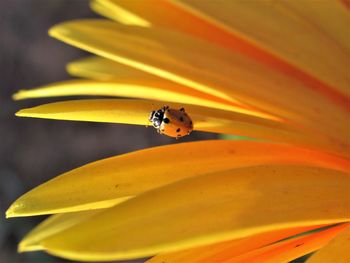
<point x="171" y="122"/>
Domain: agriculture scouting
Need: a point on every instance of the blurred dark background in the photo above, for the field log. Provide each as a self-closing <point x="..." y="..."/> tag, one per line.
<point x="33" y="151"/>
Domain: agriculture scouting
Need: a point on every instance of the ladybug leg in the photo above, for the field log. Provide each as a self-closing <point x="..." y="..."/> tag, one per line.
<point x="165" y="108"/>
<point x="182" y="109"/>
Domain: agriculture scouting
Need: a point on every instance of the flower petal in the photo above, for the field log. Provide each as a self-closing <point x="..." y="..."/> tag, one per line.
<point x="313" y="46"/>
<point x="112" y="11"/>
<point x="98" y="68"/>
<point x="204" y="119"/>
<point x="111" y="49"/>
<point x="103" y="110"/>
<point x="231" y="36"/>
<point x="102" y="69"/>
<point x="160" y="91"/>
<point x="337" y="251"/>
<point x="205" y="254"/>
<point x="115" y="179"/>
<point x="286" y="251"/>
<point x="207" y="209"/>
<point x="54" y="224"/>
<point x="227" y="250"/>
<point x="227" y="75"/>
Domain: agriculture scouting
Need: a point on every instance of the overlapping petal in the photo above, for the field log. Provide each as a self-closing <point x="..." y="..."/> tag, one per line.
<point x="314" y="45"/>
<point x="110" y="181"/>
<point x="208" y="209"/>
<point x="204" y="119"/>
<point x="111" y="10"/>
<point x="205" y="254"/>
<point x="53" y="225"/>
<point x="98" y="68"/>
<point x="75" y="32"/>
<point x="290" y="249"/>
<point x="227" y="75"/>
<point x="337" y="251"/>
<point x="221" y="252"/>
<point x="153" y="90"/>
<point x="204" y="20"/>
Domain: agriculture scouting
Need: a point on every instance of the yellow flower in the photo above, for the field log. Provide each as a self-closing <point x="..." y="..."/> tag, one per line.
<point x="273" y="70"/>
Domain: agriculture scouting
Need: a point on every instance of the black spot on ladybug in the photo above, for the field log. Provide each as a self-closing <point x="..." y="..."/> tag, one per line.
<point x="166" y="120"/>
<point x="178" y="130"/>
<point x="181" y="119"/>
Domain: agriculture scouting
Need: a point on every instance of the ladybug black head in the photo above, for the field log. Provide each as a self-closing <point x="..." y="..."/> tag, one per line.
<point x="156" y="118"/>
<point x="151" y="115"/>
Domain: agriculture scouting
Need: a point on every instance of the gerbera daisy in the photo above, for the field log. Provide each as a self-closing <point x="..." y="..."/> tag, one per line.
<point x="271" y="70"/>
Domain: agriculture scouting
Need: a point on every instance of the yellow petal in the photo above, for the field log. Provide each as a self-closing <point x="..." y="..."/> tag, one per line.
<point x="168" y="92"/>
<point x="295" y="31"/>
<point x="54" y="224"/>
<point x="207" y="209"/>
<point x="226" y="250"/>
<point x="111" y="49"/>
<point x="103" y="110"/>
<point x="337" y="251"/>
<point x="107" y="70"/>
<point x="99" y="68"/>
<point x="108" y="9"/>
<point x="291" y="249"/>
<point x="210" y="69"/>
<point x="108" y="182"/>
<point x="204" y="119"/>
<point x="226" y="34"/>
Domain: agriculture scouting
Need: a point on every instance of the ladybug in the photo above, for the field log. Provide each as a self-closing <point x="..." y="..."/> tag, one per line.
<point x="171" y="122"/>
